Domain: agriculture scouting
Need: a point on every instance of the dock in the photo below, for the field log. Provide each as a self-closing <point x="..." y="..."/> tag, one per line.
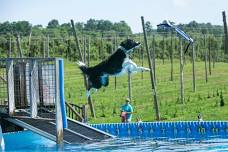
<point x="32" y="97"/>
<point x="77" y="132"/>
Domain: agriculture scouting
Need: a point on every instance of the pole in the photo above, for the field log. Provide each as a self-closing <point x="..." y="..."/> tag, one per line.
<point x="151" y="73"/>
<point x="48" y="54"/>
<point x="225" y="32"/>
<point x="129" y="86"/>
<point x="115" y="47"/>
<point x="181" y="74"/>
<point x="193" y="68"/>
<point x="10" y="48"/>
<point x="153" y="59"/>
<point x="209" y="55"/>
<point x="88" y="51"/>
<point x="171" y="58"/>
<point x="89" y="99"/>
<point x="19" y="46"/>
<point x="205" y="59"/>
<point x="29" y="47"/>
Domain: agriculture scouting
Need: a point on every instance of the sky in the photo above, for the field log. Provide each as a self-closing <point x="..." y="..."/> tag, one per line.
<point x="155" y="11"/>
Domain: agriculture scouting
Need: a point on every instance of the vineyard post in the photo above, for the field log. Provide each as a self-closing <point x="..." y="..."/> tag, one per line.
<point x="153" y="58"/>
<point x="115" y="47"/>
<point x="209" y="55"/>
<point x="29" y="44"/>
<point x="181" y="73"/>
<point x="19" y="46"/>
<point x="193" y="68"/>
<point x="48" y="51"/>
<point x="88" y="51"/>
<point x="225" y="32"/>
<point x="85" y="78"/>
<point x="163" y="49"/>
<point x="44" y="49"/>
<point x="10" y="48"/>
<point x="154" y="93"/>
<point x="171" y="57"/>
<point x="205" y="58"/>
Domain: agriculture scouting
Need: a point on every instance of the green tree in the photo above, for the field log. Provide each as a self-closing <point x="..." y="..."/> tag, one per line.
<point x="53" y="24"/>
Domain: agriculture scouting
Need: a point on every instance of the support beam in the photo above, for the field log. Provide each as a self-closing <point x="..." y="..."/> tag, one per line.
<point x="59" y="122"/>
<point x="33" y="85"/>
<point x="10" y="86"/>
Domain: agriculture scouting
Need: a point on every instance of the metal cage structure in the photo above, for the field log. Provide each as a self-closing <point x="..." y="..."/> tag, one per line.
<point x="30" y="84"/>
<point x="33" y="88"/>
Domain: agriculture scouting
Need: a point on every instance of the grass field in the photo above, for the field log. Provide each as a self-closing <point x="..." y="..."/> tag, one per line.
<point x="107" y="101"/>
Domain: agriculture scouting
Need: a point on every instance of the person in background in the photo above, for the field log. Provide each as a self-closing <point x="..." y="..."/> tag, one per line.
<point x="126" y="111"/>
<point x="200" y="117"/>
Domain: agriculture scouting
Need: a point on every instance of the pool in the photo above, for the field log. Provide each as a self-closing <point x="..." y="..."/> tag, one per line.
<point x="29" y="141"/>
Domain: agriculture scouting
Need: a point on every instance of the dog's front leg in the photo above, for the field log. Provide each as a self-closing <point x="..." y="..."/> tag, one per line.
<point x="130" y="66"/>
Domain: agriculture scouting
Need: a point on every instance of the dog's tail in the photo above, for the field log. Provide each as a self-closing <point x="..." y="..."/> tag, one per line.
<point x="83" y="67"/>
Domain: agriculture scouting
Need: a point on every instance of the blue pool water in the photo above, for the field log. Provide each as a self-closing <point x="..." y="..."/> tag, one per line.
<point x="29" y="141"/>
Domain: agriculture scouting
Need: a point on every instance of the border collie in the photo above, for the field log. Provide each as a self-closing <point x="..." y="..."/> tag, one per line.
<point x="117" y="64"/>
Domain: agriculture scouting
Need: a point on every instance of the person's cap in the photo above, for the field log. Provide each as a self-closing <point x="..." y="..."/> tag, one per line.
<point x="127" y="100"/>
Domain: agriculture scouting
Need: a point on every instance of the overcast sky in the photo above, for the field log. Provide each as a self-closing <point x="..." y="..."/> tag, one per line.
<point x="155" y="11"/>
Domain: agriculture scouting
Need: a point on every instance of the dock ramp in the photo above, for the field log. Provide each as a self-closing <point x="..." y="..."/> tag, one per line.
<point x="76" y="132"/>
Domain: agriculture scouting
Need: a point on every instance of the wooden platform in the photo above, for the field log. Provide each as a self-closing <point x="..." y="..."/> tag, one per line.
<point x="76" y="132"/>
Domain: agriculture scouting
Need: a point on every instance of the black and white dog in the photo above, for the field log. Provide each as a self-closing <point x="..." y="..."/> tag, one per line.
<point x="117" y="64"/>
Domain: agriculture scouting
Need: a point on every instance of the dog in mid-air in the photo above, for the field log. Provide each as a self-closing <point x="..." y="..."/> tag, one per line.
<point x="117" y="64"/>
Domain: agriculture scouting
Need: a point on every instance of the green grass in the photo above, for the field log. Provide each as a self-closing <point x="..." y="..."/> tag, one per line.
<point x="107" y="101"/>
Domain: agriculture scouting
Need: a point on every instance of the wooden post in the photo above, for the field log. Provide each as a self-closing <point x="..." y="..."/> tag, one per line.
<point x="53" y="46"/>
<point x="84" y="113"/>
<point x="48" y="50"/>
<point x="19" y="46"/>
<point x="171" y="58"/>
<point x="68" y="54"/>
<point x="10" y="86"/>
<point x="29" y="45"/>
<point x="100" y="53"/>
<point x="115" y="47"/>
<point x="214" y="57"/>
<point x="141" y="56"/>
<point x="205" y="58"/>
<point x="88" y="52"/>
<point x="129" y="86"/>
<point x="209" y="55"/>
<point x="193" y="68"/>
<point x="163" y="50"/>
<point x="10" y="48"/>
<point x="33" y="87"/>
<point x="151" y="73"/>
<point x="153" y="59"/>
<point x="85" y="79"/>
<point x="44" y="49"/>
<point x="58" y="119"/>
<point x="225" y="32"/>
<point x="84" y="49"/>
<point x="181" y="73"/>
